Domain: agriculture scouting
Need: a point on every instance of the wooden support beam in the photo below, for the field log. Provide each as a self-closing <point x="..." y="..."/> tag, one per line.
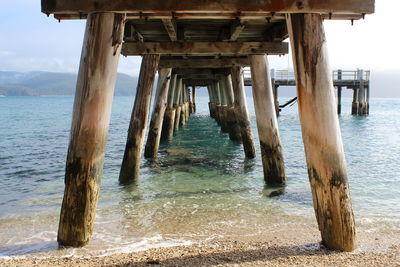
<point x="89" y="128"/>
<point x="157" y="118"/>
<point x="267" y="125"/>
<point x="193" y="99"/>
<point x="177" y="105"/>
<point x="198" y="82"/>
<point x="241" y="113"/>
<point x="204" y="63"/>
<point x="137" y="127"/>
<point x="233" y="126"/>
<point x="321" y="132"/>
<point x="211" y="6"/>
<point x="236" y="28"/>
<point x="201" y="71"/>
<point x="131" y="34"/>
<point x="170" y="27"/>
<point x="204" y="48"/>
<point x="169" y="117"/>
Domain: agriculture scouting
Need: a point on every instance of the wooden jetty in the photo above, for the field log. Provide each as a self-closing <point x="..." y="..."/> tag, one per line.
<point x="207" y="43"/>
<point x="356" y="80"/>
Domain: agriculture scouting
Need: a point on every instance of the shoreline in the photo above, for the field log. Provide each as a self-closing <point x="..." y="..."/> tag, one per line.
<point x="287" y="246"/>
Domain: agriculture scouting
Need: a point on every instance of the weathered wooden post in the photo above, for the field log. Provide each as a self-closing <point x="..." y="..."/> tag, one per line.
<point x="224" y="106"/>
<point x="193" y="99"/>
<point x="178" y="107"/>
<point x="362" y="106"/>
<point x="218" y="102"/>
<point x="211" y="103"/>
<point x="90" y="121"/>
<point x="169" y="117"/>
<point x="320" y="129"/>
<point x="157" y="118"/>
<point x="241" y="113"/>
<point x="267" y="125"/>
<point x="182" y="105"/>
<point x="275" y="92"/>
<point x="354" y="104"/>
<point x="339" y="94"/>
<point x="187" y="111"/>
<point x="232" y="125"/>
<point x="137" y="126"/>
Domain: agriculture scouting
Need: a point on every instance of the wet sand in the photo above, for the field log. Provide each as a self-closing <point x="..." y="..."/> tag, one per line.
<point x="286" y="247"/>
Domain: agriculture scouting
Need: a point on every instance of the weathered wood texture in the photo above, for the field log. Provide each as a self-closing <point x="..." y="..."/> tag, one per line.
<point x="89" y="129"/>
<point x="170" y="26"/>
<point x="193" y="101"/>
<point x="157" y="118"/>
<point x="283" y="6"/>
<point x="177" y="105"/>
<point x="241" y="113"/>
<point x="204" y="48"/>
<point x="321" y="133"/>
<point x="204" y="63"/>
<point x="169" y="115"/>
<point x="137" y="126"/>
<point x="267" y="125"/>
<point x="233" y="126"/>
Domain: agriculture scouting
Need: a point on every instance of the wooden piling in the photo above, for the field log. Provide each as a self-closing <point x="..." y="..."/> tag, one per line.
<point x="241" y="113"/>
<point x="233" y="126"/>
<point x="275" y="92"/>
<point x="89" y="128"/>
<point x="182" y="105"/>
<point x="354" y="104"/>
<point x="194" y="99"/>
<point x="339" y="94"/>
<point x="169" y="116"/>
<point x="321" y="134"/>
<point x="178" y="108"/>
<point x="157" y="118"/>
<point x="218" y="102"/>
<point x="267" y="125"/>
<point x="137" y="126"/>
<point x="224" y="106"/>
<point x="362" y="99"/>
<point x="211" y="103"/>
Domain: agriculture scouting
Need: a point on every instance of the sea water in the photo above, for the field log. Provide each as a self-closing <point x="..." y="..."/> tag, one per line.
<point x="200" y="186"/>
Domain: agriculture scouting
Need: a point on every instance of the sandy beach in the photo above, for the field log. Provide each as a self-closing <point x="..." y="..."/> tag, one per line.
<point x="287" y="247"/>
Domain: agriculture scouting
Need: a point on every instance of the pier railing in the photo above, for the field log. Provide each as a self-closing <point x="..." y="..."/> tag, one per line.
<point x="286" y="75"/>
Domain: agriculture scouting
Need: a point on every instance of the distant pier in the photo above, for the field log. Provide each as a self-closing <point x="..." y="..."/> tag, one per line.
<point x="356" y="80"/>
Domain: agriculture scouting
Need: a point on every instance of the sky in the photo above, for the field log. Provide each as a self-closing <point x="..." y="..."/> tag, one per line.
<point x="29" y="40"/>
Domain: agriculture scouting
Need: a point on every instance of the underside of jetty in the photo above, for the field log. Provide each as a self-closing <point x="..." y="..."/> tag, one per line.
<point x="207" y="43"/>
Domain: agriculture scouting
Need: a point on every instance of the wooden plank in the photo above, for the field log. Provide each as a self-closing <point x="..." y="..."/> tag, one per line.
<point x="170" y="27"/>
<point x="204" y="48"/>
<point x="204" y="63"/>
<point x="284" y="6"/>
<point x="321" y="132"/>
<point x="89" y="128"/>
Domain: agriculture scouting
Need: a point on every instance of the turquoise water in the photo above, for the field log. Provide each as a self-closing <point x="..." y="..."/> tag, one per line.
<point x="199" y="187"/>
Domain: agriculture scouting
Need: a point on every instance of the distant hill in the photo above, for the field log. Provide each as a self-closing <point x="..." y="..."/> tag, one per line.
<point x="53" y="83"/>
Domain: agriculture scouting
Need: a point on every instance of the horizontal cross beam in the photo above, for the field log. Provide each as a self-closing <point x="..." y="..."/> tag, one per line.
<point x="204" y="63"/>
<point x="201" y="71"/>
<point x="204" y="48"/>
<point x="283" y="6"/>
<point x="198" y="82"/>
